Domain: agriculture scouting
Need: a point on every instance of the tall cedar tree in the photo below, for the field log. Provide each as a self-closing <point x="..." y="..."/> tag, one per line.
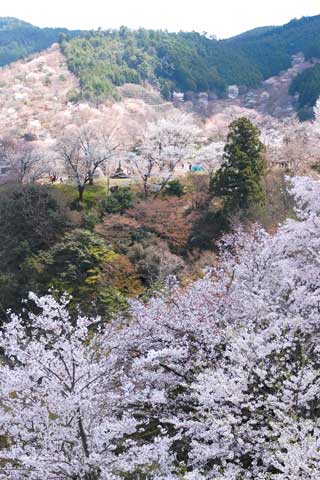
<point x="238" y="181"/>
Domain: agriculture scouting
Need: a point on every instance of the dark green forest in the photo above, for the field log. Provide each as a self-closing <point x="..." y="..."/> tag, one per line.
<point x="271" y="51"/>
<point x="307" y="85"/>
<point x="19" y="39"/>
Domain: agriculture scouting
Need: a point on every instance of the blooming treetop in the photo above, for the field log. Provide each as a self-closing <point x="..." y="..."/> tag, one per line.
<point x="210" y="156"/>
<point x="58" y="399"/>
<point x="87" y="148"/>
<point x="316" y="111"/>
<point x="167" y="142"/>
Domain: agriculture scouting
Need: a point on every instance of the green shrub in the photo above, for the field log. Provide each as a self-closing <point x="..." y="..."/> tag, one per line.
<point x="119" y="201"/>
<point x="32" y="217"/>
<point x="175" y="188"/>
<point x="90" y="219"/>
<point x="81" y="264"/>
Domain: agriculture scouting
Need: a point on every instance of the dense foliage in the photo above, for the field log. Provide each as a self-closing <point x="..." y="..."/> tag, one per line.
<point x="271" y="51"/>
<point x="239" y="180"/>
<point x="307" y="86"/>
<point x="166" y="60"/>
<point x="32" y="218"/>
<point x="119" y="200"/>
<point x="186" y="61"/>
<point x="19" y="39"/>
<point x="42" y="248"/>
<point x="81" y="264"/>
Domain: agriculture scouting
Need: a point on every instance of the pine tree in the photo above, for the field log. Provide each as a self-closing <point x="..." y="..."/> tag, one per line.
<point x="238" y="181"/>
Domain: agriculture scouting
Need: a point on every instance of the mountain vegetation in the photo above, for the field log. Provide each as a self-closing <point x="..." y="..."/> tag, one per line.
<point x="254" y="32"/>
<point x="170" y="61"/>
<point x="217" y="380"/>
<point x="271" y="52"/>
<point x="19" y="39"/>
<point x="112" y="243"/>
<point x="156" y="318"/>
<point x="159" y="270"/>
<point x="307" y="86"/>
<point x="186" y="61"/>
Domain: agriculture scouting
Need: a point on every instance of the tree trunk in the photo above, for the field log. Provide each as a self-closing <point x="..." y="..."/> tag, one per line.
<point x="92" y="475"/>
<point x="145" y="186"/>
<point x="80" y="192"/>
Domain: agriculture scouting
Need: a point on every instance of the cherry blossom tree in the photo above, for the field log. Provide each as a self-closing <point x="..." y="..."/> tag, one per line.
<point x="316" y="111"/>
<point x="210" y="156"/>
<point x="58" y="400"/>
<point x="63" y="408"/>
<point x="292" y="145"/>
<point x="219" y="380"/>
<point x="167" y="142"/>
<point x="24" y="162"/>
<point x="85" y="149"/>
<point x="252" y="332"/>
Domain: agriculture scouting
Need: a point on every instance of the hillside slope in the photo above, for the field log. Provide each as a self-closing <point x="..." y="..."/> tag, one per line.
<point x="271" y="51"/>
<point x="307" y="86"/>
<point x="184" y="61"/>
<point x="33" y="92"/>
<point x="255" y="32"/>
<point x="35" y="99"/>
<point x="19" y="39"/>
<point x="187" y="61"/>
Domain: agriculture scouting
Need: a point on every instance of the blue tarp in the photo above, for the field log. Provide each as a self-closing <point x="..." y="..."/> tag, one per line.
<point x="197" y="168"/>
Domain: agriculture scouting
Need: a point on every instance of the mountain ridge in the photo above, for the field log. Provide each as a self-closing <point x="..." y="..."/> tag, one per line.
<point x="185" y="62"/>
<point x="253" y="32"/>
<point x="18" y="39"/>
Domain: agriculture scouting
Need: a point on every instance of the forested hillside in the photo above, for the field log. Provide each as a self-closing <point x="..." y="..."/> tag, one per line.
<point x="19" y="39"/>
<point x="255" y="32"/>
<point x="187" y="61"/>
<point x="307" y="86"/>
<point x="271" y="52"/>
<point x="159" y="260"/>
<point x="184" y="61"/>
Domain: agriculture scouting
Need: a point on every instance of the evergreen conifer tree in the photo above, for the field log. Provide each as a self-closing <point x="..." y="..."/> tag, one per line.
<point x="238" y="181"/>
